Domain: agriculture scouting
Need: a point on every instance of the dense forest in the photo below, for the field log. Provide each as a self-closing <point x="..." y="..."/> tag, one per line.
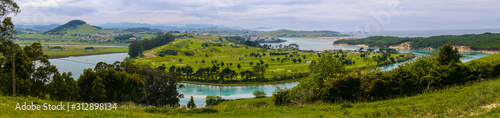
<point x="137" y="47"/>
<point x="485" y="41"/>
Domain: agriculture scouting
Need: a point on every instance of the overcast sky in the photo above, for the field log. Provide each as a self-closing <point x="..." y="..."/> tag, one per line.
<point x="339" y="15"/>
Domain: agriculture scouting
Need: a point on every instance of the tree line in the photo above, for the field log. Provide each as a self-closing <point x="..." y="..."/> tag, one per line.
<point x="485" y="41"/>
<point x="137" y="47"/>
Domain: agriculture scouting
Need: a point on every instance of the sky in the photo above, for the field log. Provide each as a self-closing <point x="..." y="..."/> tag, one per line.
<point x="337" y="15"/>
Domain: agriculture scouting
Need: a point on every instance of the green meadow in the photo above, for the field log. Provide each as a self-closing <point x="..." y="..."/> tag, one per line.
<point x="80" y="50"/>
<point x="237" y="54"/>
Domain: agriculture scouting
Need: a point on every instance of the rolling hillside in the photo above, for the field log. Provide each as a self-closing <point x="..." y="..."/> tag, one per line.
<point x="77" y="27"/>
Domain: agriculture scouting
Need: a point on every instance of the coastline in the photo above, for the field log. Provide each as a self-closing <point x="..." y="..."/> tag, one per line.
<point x="331" y="38"/>
<point x="360" y="45"/>
<point x="242" y="83"/>
<point x="407" y="45"/>
<point x="65" y="56"/>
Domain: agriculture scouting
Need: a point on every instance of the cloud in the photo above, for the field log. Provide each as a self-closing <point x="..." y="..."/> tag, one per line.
<point x="292" y="14"/>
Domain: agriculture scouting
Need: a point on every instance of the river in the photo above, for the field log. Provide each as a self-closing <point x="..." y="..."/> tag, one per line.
<point x="76" y="64"/>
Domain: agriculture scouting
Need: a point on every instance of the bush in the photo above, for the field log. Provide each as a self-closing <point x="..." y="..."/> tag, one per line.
<point x="281" y="96"/>
<point x="213" y="100"/>
<point x="188" y="53"/>
<point x="170" y="110"/>
<point x="259" y="94"/>
<point x="345" y="88"/>
<point x="191" y="104"/>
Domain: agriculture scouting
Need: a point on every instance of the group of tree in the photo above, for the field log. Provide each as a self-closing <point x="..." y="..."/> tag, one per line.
<point x="485" y="41"/>
<point x="124" y="81"/>
<point x="282" y="47"/>
<point x="137" y="47"/>
<point x="330" y="81"/>
<point x="26" y="71"/>
<point x="124" y="37"/>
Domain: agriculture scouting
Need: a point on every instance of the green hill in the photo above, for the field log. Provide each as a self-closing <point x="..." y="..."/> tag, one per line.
<point x="292" y="33"/>
<point x="77" y="27"/>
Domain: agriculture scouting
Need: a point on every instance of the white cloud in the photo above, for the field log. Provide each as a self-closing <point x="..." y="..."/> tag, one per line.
<point x="293" y="14"/>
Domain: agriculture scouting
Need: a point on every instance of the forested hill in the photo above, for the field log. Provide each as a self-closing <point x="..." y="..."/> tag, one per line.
<point x="292" y="33"/>
<point x="77" y="26"/>
<point x="485" y="41"/>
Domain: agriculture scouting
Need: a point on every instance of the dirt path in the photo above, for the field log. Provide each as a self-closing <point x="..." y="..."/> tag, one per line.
<point x="152" y="53"/>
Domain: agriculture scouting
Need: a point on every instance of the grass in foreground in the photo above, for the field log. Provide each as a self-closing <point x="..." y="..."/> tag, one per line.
<point x="476" y="99"/>
<point x="80" y="50"/>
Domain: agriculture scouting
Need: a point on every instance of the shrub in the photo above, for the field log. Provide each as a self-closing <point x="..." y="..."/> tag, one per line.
<point x="213" y="100"/>
<point x="259" y="94"/>
<point x="281" y="96"/>
<point x="191" y="103"/>
<point x="203" y="110"/>
<point x="345" y="88"/>
<point x="188" y="53"/>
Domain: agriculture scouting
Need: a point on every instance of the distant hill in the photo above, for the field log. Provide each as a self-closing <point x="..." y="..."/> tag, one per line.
<point x="163" y="27"/>
<point x="77" y="26"/>
<point x="292" y="33"/>
<point x="26" y="31"/>
<point x="141" y="30"/>
<point x="41" y="28"/>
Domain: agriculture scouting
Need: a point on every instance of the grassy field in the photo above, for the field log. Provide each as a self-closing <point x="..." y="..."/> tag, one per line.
<point x="473" y="99"/>
<point x="234" y="55"/>
<point x="489" y="58"/>
<point x="80" y="50"/>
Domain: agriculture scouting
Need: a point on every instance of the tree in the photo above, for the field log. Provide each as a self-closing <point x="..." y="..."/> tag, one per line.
<point x="260" y="70"/>
<point x="448" y="55"/>
<point x="161" y="88"/>
<point x="7" y="31"/>
<point x="267" y="65"/>
<point x="294" y="60"/>
<point x="135" y="49"/>
<point x="238" y="66"/>
<point x="222" y="63"/>
<point x="259" y="94"/>
<point x="188" y="70"/>
<point x="63" y="87"/>
<point x="300" y="60"/>
<point x="171" y="69"/>
<point x="251" y="63"/>
<point x="98" y="92"/>
<point x="327" y="67"/>
<point x="191" y="104"/>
